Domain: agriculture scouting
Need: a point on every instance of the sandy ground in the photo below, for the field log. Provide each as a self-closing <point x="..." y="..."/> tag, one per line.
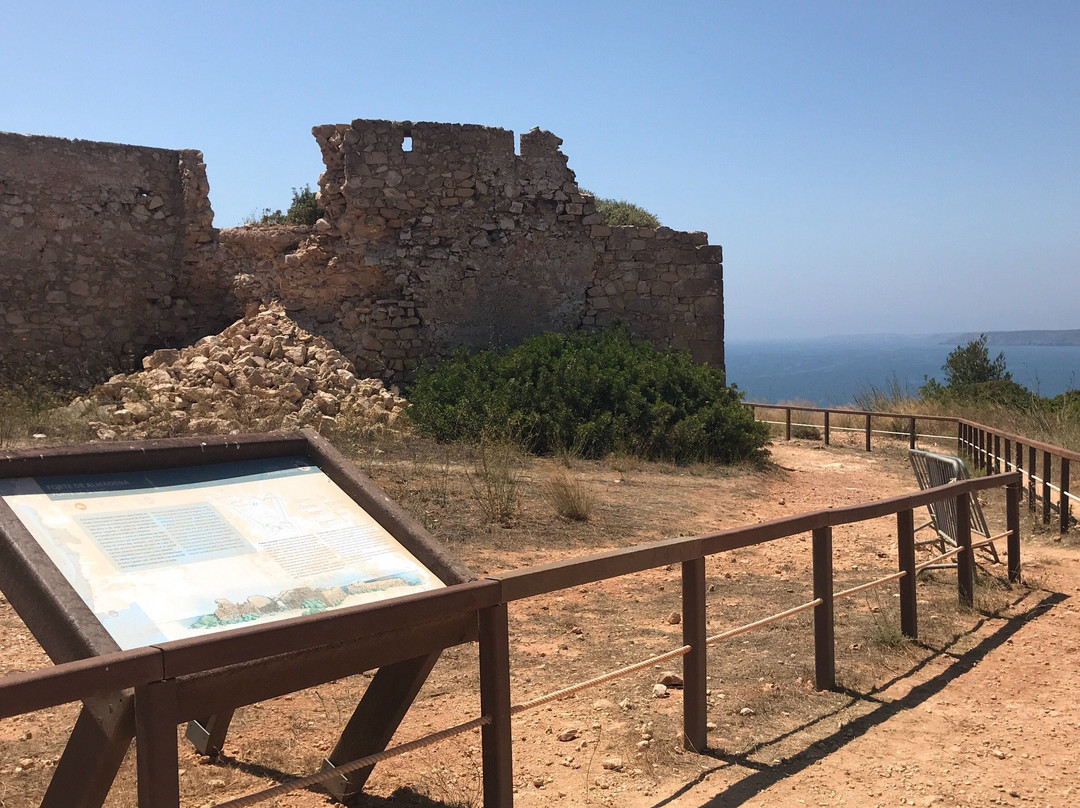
<point x="980" y="712"/>
<point x="995" y="725"/>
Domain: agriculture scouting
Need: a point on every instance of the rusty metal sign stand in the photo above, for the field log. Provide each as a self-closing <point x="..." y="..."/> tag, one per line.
<point x="68" y="629"/>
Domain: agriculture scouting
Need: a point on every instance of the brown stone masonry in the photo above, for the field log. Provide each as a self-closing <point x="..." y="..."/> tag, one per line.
<point x="95" y="241"/>
<point x="435" y="236"/>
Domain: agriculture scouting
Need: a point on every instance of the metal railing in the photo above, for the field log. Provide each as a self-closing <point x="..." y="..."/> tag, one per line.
<point x="161" y="674"/>
<point x="988" y="448"/>
<point x="993" y="450"/>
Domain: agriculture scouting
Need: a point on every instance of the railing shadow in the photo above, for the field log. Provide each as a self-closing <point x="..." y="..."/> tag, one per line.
<point x="765" y="775"/>
<point x="402" y="795"/>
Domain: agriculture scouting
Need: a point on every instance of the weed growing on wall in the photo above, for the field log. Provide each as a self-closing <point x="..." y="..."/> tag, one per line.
<point x="619" y="213"/>
<point x="590" y="393"/>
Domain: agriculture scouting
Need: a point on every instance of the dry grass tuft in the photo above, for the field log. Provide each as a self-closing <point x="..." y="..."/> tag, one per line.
<point x="496" y="479"/>
<point x="569" y="496"/>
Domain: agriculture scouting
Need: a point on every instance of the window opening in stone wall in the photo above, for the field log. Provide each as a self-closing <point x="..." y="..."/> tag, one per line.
<point x="406" y="143"/>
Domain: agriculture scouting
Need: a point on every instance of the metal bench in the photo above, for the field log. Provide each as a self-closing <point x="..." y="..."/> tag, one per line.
<point x="931" y="470"/>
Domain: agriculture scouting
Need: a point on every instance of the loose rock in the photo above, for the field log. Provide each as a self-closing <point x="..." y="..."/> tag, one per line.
<point x="260" y="374"/>
<point x="670" y="679"/>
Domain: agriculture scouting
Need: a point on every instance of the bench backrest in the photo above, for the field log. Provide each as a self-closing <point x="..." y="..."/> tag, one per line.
<point x="933" y="469"/>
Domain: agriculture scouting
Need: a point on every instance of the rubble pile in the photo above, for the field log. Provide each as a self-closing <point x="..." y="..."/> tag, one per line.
<point x="261" y="373"/>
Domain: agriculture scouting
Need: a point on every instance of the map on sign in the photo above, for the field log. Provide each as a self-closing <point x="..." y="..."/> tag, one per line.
<point x="165" y="554"/>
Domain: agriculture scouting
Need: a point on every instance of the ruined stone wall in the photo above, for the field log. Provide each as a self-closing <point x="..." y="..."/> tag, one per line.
<point x="98" y="247"/>
<point x="435" y="236"/>
<point x="440" y="235"/>
<point x="667" y="284"/>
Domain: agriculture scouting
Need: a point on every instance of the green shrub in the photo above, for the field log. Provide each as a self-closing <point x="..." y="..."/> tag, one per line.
<point x="1003" y="392"/>
<point x="971" y="364"/>
<point x="619" y="212"/>
<point x="1068" y="401"/>
<point x="966" y="368"/>
<point x="973" y="379"/>
<point x="590" y="393"/>
<point x="303" y="210"/>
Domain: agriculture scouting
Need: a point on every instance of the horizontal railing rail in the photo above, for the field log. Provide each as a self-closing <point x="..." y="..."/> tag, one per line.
<point x="993" y="450"/>
<point x="121" y="670"/>
<point x="553" y="576"/>
<point x="154" y="672"/>
<point x="989" y="449"/>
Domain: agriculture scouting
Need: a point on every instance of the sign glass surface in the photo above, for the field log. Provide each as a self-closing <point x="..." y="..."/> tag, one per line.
<point x="170" y="553"/>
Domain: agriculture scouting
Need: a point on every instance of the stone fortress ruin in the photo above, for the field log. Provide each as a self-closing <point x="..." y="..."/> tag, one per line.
<point x="435" y="236"/>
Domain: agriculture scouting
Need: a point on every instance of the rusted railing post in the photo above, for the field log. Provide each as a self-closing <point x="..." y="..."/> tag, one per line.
<point x="787" y="423"/>
<point x="1046" y="489"/>
<point x="911" y="432"/>
<point x="961" y="432"/>
<point x="1012" y="524"/>
<point x="156" y="760"/>
<point x="1008" y="455"/>
<point x="695" y="733"/>
<point x="826" y="427"/>
<point x="824" y="644"/>
<point x="905" y="546"/>
<point x="1063" y="499"/>
<point x="495" y="738"/>
<point x="1032" y="466"/>
<point x="965" y="559"/>
<point x="997" y="454"/>
<point x="868" y="432"/>
<point x="1020" y="465"/>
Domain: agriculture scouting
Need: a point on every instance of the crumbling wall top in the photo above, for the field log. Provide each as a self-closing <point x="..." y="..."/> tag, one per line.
<point x="405" y="169"/>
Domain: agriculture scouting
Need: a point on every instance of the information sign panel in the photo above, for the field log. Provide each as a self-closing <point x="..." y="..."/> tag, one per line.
<point x="164" y="554"/>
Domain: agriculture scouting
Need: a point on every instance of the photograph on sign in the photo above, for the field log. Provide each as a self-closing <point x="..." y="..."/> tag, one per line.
<point x="171" y="553"/>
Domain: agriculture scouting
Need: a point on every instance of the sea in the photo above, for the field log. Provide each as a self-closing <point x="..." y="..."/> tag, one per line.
<point x="832" y="371"/>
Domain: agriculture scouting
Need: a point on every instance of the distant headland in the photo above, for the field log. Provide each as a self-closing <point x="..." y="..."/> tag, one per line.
<point x="1069" y="337"/>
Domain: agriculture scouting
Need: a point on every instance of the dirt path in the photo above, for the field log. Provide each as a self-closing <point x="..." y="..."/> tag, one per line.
<point x="981" y="712"/>
<point x="995" y="725"/>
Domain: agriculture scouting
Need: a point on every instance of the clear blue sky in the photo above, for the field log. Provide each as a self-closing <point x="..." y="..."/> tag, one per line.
<point x="867" y="166"/>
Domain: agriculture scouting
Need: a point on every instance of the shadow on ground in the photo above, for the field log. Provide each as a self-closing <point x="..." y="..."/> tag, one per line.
<point x="765" y="776"/>
<point x="401" y="797"/>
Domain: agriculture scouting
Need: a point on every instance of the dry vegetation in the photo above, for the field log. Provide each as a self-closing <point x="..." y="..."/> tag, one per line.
<point x="498" y="509"/>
